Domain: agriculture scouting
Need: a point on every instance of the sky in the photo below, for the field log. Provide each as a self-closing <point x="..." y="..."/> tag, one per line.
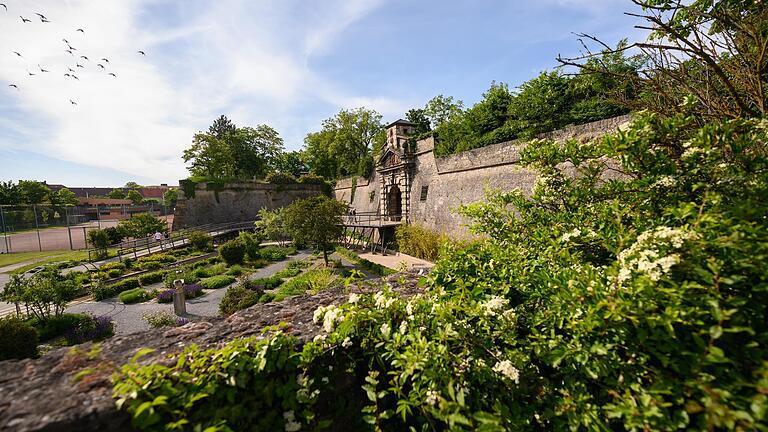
<point x="286" y="63"/>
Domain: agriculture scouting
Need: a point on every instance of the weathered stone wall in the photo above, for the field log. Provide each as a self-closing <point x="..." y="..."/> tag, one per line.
<point x="361" y="200"/>
<point x="236" y="202"/>
<point x="462" y="178"/>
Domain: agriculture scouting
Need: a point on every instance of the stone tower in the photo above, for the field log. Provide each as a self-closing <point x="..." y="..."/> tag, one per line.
<point x="395" y="168"/>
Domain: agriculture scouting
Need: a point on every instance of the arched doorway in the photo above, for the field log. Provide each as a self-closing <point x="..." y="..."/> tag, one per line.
<point x="394" y="203"/>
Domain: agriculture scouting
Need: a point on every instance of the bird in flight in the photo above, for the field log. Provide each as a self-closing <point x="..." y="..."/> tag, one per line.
<point x="41" y="16"/>
<point x="78" y="65"/>
<point x="3" y="5"/>
<point x="105" y="60"/>
<point x="73" y="76"/>
<point x="18" y="54"/>
<point x="141" y="52"/>
<point x="65" y="41"/>
<point x="71" y="47"/>
<point x="14" y="86"/>
<point x="80" y="30"/>
<point x="84" y="57"/>
<point x="70" y="52"/>
<point x="24" y="20"/>
<point x="30" y="73"/>
<point x="113" y="74"/>
<point x="100" y="65"/>
<point x="71" y="70"/>
<point x="41" y="68"/>
<point x="72" y="102"/>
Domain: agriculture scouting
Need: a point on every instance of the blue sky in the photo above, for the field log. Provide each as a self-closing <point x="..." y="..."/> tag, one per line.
<point x="286" y="63"/>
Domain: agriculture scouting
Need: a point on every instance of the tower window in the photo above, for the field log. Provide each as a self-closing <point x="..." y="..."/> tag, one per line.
<point x="424" y="191"/>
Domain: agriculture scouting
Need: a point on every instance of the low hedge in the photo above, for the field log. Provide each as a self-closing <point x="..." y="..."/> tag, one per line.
<point x="18" y="339"/>
<point x="105" y="292"/>
<point x="276" y="253"/>
<point x="136" y="295"/>
<point x="151" y="278"/>
<point x="216" y="282"/>
<point x="112" y="266"/>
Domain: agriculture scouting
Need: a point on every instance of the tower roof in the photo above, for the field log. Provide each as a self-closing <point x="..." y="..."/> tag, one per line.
<point x="400" y="122"/>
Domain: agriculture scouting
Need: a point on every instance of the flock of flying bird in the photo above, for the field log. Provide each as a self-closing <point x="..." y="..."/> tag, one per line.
<point x="80" y="60"/>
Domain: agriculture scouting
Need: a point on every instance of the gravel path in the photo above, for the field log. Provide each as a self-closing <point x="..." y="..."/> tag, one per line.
<point x="128" y="318"/>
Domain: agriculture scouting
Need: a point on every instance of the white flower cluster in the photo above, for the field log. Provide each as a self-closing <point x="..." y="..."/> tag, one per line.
<point x="543" y="188"/>
<point x="382" y="302"/>
<point x="577" y="233"/>
<point x="354" y="298"/>
<point x="506" y="368"/>
<point x="291" y="425"/>
<point x="645" y="257"/>
<point x="665" y="182"/>
<point x="432" y="397"/>
<point x="386" y="330"/>
<point x="692" y="152"/>
<point x="494" y="305"/>
<point x="403" y="327"/>
<point x="330" y="315"/>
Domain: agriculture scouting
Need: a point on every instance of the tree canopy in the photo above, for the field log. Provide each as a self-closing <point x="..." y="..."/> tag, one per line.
<point x="226" y="151"/>
<point x="315" y="221"/>
<point x="346" y="144"/>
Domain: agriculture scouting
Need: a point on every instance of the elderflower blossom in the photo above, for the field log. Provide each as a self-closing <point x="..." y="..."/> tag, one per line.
<point x="354" y="298"/>
<point x="569" y="235"/>
<point x="386" y="330"/>
<point x="403" y="327"/>
<point x="291" y="425"/>
<point x="506" y="369"/>
<point x="645" y="256"/>
<point x="331" y="317"/>
<point x="382" y="302"/>
<point x="409" y="309"/>
<point x="432" y="397"/>
<point x="346" y="343"/>
<point x="494" y="305"/>
<point x="665" y="181"/>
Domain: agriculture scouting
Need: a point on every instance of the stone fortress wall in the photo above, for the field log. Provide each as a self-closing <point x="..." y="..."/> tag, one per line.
<point x="236" y="202"/>
<point x="461" y="178"/>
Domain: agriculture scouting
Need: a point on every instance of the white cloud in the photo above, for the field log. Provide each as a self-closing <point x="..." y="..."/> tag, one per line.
<point x="232" y="56"/>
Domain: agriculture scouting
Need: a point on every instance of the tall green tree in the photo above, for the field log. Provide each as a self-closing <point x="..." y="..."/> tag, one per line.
<point x="221" y="127"/>
<point x="170" y="197"/>
<point x="10" y="193"/>
<point x="64" y="197"/>
<point x="135" y="197"/>
<point x="317" y="221"/>
<point x="290" y="163"/>
<point x="346" y="144"/>
<point x="33" y="192"/>
<point x="418" y="117"/>
<point x="116" y="194"/>
<point x="441" y="109"/>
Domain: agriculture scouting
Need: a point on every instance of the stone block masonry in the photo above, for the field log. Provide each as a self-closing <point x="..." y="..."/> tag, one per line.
<point x="236" y="202"/>
<point x="440" y="185"/>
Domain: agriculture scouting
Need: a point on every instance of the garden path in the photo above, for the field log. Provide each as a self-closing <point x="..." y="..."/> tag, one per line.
<point x="129" y="318"/>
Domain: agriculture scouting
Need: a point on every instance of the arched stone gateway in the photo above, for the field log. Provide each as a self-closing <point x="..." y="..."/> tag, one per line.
<point x="394" y="203"/>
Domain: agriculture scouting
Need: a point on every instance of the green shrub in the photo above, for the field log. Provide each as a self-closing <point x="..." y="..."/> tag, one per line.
<point x="235" y="270"/>
<point x="267" y="297"/>
<point x="280" y="178"/>
<point x="162" y="319"/>
<point x="57" y="325"/>
<point x="150" y="265"/>
<point x="201" y="241"/>
<point x="232" y="252"/>
<point x="113" y="266"/>
<point x="214" y="270"/>
<point x="18" y="339"/>
<point x="184" y="273"/>
<point x="217" y="281"/>
<point x="274" y="253"/>
<point x="263" y="284"/>
<point x="106" y="291"/>
<point x="251" y="241"/>
<point x="238" y="297"/>
<point x="136" y="295"/>
<point x="375" y="268"/>
<point x="288" y="272"/>
<point x="313" y="281"/>
<point x="152" y="278"/>
<point x="419" y="242"/>
<point x="114" y="273"/>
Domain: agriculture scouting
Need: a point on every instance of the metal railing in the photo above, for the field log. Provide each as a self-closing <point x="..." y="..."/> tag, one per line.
<point x="370" y="219"/>
<point x="175" y="239"/>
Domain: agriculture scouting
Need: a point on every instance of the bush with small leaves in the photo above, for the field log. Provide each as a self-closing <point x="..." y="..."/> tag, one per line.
<point x="18" y="339"/>
<point x="216" y="282"/>
<point x="201" y="241"/>
<point x="232" y="252"/>
<point x="136" y="295"/>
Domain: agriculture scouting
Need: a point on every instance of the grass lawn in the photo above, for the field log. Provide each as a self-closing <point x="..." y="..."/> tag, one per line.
<point x="17" y="257"/>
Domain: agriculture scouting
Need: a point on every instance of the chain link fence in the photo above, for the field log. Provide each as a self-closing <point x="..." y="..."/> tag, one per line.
<point x="48" y="228"/>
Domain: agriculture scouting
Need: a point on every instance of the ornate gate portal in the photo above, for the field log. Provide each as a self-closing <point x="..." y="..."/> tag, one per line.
<point x="394" y="203"/>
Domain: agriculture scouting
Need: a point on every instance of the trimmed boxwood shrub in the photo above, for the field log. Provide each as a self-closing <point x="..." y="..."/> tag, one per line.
<point x="136" y="295"/>
<point x="232" y="252"/>
<point x="262" y="284"/>
<point x="151" y="278"/>
<point x="112" y="266"/>
<point x="200" y="240"/>
<point x="18" y="339"/>
<point x="186" y="274"/>
<point x="217" y="281"/>
<point x="150" y="265"/>
<point x="104" y="292"/>
<point x="274" y="253"/>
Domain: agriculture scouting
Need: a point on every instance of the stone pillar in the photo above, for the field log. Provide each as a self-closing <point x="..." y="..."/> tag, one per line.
<point x="179" y="298"/>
